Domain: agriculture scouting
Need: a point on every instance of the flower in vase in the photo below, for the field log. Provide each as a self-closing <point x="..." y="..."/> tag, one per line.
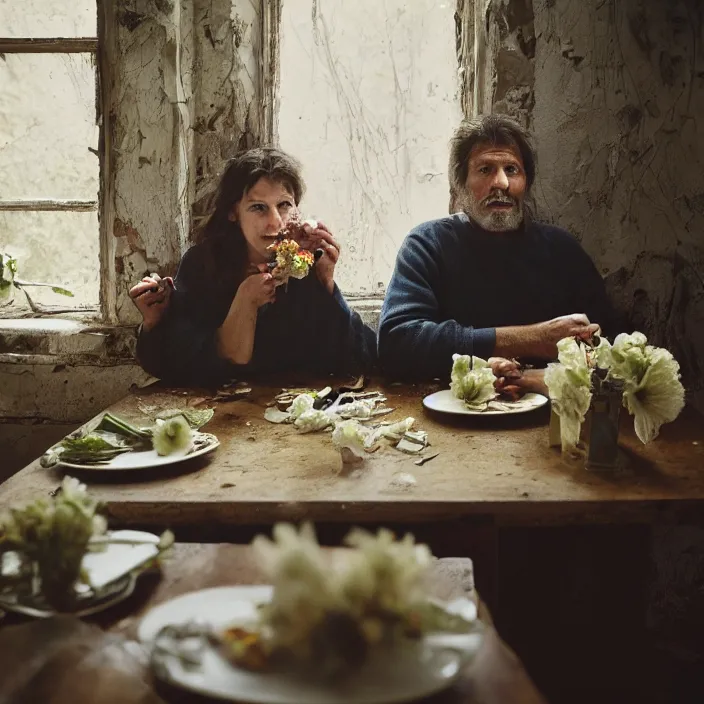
<point x="569" y="387"/>
<point x="659" y="395"/>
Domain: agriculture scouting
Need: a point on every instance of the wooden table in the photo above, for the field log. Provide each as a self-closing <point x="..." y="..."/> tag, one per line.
<point x="500" y="468"/>
<point x="496" y="676"/>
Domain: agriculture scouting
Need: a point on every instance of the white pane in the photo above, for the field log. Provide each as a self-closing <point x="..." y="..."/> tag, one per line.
<point x="47" y="124"/>
<point x="56" y="248"/>
<point x="369" y="99"/>
<point x="48" y="18"/>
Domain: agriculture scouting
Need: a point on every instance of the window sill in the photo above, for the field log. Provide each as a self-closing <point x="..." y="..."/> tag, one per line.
<point x="25" y="339"/>
<point x="76" y="340"/>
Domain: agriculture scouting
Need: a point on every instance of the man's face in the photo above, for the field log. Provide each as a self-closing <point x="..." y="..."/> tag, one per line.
<point x="495" y="188"/>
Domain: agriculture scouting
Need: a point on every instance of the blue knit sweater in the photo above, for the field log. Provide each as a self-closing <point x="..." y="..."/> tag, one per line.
<point x="305" y="330"/>
<point x="455" y="283"/>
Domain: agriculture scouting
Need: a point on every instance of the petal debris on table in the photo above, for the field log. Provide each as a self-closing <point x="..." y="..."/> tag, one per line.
<point x="351" y="416"/>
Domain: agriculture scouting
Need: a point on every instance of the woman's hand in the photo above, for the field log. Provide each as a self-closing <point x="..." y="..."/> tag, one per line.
<point x="321" y="238"/>
<point x="151" y="296"/>
<point x="235" y="337"/>
<point x="257" y="289"/>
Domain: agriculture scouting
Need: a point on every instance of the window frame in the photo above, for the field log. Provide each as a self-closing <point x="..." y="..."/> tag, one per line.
<point x="69" y="45"/>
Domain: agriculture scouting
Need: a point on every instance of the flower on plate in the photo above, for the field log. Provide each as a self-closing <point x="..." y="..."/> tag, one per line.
<point x="53" y="535"/>
<point x="384" y="575"/>
<point x="472" y="381"/>
<point x="173" y="436"/>
<point x="303" y="589"/>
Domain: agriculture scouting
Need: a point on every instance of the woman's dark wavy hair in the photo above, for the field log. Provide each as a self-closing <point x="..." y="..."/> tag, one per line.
<point x="497" y="130"/>
<point x="220" y="235"/>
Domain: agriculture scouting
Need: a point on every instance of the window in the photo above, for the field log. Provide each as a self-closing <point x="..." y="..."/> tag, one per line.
<point x="369" y="97"/>
<point x="49" y="160"/>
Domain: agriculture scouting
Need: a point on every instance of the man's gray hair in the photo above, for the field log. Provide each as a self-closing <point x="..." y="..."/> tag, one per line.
<point x="498" y="130"/>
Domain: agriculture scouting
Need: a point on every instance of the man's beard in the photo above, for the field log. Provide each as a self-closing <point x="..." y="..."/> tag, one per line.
<point x="497" y="220"/>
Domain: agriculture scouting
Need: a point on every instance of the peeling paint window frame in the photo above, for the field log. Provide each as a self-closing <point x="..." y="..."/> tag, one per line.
<point x="59" y="45"/>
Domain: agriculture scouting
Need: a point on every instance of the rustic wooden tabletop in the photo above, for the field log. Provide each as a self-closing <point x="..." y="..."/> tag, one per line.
<point x="498" y="467"/>
<point x="30" y="653"/>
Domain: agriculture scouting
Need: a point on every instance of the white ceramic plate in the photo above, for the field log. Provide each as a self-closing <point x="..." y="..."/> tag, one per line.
<point x="445" y="402"/>
<point x="112" y="572"/>
<point x="144" y="460"/>
<point x="403" y="677"/>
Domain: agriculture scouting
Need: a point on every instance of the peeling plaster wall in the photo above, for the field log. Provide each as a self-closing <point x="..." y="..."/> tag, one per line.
<point x="148" y="150"/>
<point x="619" y="120"/>
<point x="227" y="105"/>
<point x="614" y="95"/>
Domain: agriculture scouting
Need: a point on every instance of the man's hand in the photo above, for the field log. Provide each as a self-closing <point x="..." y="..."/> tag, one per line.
<point x="539" y="341"/>
<point x="508" y="373"/>
<point x="549" y="333"/>
<point x="512" y="381"/>
<point x="151" y="296"/>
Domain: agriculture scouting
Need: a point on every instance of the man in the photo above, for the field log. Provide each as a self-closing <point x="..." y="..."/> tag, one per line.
<point x="488" y="281"/>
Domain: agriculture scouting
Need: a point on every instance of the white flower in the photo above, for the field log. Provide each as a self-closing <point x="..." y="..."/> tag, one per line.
<point x="569" y="388"/>
<point x="172" y="436"/>
<point x="71" y="488"/>
<point x="602" y="354"/>
<point x="659" y="395"/>
<point x="351" y="434"/>
<point x="303" y="589"/>
<point x="393" y="431"/>
<point x="474" y="386"/>
<point x="312" y="420"/>
<point x="383" y="574"/>
<point x="300" y="404"/>
<point x="629" y="357"/>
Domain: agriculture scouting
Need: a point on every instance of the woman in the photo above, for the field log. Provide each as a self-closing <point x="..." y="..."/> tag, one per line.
<point x="224" y="316"/>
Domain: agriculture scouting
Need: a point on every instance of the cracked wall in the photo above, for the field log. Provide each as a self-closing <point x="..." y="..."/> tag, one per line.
<point x="185" y="98"/>
<point x="614" y="94"/>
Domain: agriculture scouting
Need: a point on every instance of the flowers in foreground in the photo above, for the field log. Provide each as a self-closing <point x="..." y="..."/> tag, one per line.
<point x="53" y="535"/>
<point x="652" y="390"/>
<point x="326" y="612"/>
<point x="472" y="381"/>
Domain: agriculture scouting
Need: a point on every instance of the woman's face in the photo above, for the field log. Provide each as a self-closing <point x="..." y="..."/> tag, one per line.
<point x="264" y="209"/>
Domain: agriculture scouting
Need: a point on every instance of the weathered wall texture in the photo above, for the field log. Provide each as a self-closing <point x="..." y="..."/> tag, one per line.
<point x="619" y="115"/>
<point x="614" y="94"/>
<point x="613" y="91"/>
<point x="148" y="130"/>
<point x="226" y="88"/>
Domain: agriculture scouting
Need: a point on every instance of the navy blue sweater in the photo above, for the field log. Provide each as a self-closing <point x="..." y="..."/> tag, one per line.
<point x="305" y="330"/>
<point x="455" y="283"/>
